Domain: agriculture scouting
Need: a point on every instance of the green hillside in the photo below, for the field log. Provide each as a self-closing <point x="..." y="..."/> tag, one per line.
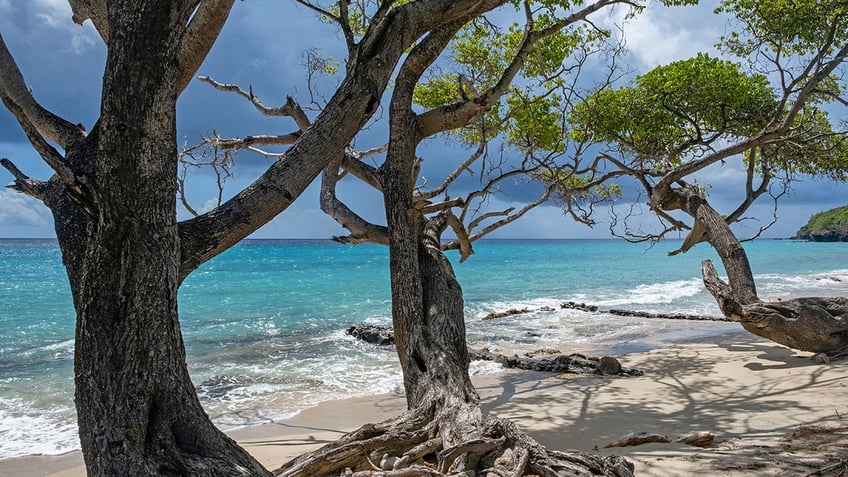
<point x="828" y="226"/>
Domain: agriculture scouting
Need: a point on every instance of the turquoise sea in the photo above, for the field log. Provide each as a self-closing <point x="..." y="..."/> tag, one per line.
<point x="264" y="322"/>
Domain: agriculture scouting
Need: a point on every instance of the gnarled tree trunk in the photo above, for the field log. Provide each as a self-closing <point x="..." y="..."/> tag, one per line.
<point x="137" y="408"/>
<point x="444" y="430"/>
<point x="814" y="324"/>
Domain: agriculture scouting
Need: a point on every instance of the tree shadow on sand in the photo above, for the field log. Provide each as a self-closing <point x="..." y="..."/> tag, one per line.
<point x="748" y="393"/>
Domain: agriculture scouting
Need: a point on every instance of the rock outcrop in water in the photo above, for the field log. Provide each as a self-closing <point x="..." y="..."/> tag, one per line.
<point x="571" y="305"/>
<point x="378" y="335"/>
<point x="553" y="362"/>
<point x="573" y="363"/>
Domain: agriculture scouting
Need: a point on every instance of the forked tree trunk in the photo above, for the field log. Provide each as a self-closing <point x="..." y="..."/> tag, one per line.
<point x="137" y="409"/>
<point x="814" y="324"/>
<point x="444" y="431"/>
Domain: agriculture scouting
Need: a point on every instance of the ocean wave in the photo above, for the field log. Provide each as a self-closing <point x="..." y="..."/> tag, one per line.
<point x="831" y="283"/>
<point x="264" y="383"/>
<point x="656" y="293"/>
<point x="25" y="430"/>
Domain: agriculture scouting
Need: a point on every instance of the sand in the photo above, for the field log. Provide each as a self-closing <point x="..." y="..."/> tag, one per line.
<point x="750" y="392"/>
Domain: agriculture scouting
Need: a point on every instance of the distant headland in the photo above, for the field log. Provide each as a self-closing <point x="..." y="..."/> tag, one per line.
<point x="827" y="226"/>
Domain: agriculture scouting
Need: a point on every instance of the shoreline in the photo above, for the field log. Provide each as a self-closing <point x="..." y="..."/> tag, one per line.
<point x="748" y="391"/>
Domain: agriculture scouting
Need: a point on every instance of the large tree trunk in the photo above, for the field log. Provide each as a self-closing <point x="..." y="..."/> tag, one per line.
<point x="137" y="408"/>
<point x="816" y="324"/>
<point x="444" y="430"/>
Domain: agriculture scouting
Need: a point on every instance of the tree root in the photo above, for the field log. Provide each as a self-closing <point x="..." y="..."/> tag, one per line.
<point x="410" y="445"/>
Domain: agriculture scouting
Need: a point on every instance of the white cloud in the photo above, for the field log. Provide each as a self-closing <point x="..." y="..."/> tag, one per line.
<point x="660" y="35"/>
<point x="57" y="14"/>
<point x="19" y="209"/>
<point x="5" y="6"/>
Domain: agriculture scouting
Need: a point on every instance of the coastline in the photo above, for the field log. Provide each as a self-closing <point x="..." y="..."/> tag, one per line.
<point x="748" y="391"/>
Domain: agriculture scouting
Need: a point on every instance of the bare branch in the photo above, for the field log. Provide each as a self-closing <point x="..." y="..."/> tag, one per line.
<point x="50" y="155"/>
<point x="291" y="108"/>
<point x="251" y="142"/>
<point x="513" y="217"/>
<point x="360" y="229"/>
<point x="13" y="87"/>
<point x="24" y="183"/>
<point x="455" y="174"/>
<point x="489" y="215"/>
<point x="200" y="35"/>
<point x="427" y="208"/>
<point x="366" y="173"/>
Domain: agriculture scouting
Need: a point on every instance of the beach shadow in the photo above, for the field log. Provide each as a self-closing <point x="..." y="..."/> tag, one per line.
<point x="684" y="390"/>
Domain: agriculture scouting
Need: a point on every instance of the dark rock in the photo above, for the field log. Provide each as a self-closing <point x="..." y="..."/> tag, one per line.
<point x="543" y="351"/>
<point x="572" y="364"/>
<point x="378" y="335"/>
<point x="609" y="366"/>
<point x="510" y="312"/>
<point x="579" y="306"/>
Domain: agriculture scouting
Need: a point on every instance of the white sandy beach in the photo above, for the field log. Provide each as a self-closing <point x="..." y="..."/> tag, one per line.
<point x="750" y="392"/>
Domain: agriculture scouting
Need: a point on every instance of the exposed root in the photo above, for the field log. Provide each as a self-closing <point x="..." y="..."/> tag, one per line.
<point x="410" y="445"/>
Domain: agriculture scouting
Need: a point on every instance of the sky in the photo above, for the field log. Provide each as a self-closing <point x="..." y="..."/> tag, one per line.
<point x="262" y="46"/>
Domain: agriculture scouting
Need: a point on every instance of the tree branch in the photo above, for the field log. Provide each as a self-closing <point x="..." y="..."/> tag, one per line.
<point x="13" y="87"/>
<point x="24" y="183"/>
<point x="427" y="208"/>
<point x="356" y="100"/>
<point x="291" y="108"/>
<point x="94" y="10"/>
<point x="512" y="217"/>
<point x="200" y="35"/>
<point x="455" y="174"/>
<point x="361" y="230"/>
<point x="459" y="114"/>
<point x="366" y="173"/>
<point x="50" y="155"/>
<point x="768" y="135"/>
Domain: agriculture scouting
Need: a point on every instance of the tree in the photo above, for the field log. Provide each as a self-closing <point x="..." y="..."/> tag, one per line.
<point x="483" y="100"/>
<point x="113" y="198"/>
<point x="679" y="119"/>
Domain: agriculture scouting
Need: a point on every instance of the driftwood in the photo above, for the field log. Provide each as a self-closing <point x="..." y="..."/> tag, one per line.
<point x="698" y="439"/>
<point x="639" y="438"/>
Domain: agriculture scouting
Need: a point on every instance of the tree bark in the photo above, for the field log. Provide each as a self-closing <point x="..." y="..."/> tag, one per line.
<point x="137" y="409"/>
<point x="814" y="324"/>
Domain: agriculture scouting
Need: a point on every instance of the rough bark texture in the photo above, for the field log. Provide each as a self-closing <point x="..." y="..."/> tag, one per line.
<point x="815" y="324"/>
<point x="137" y="409"/>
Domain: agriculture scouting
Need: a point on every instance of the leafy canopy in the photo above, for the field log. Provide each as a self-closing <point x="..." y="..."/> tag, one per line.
<point x="680" y="107"/>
